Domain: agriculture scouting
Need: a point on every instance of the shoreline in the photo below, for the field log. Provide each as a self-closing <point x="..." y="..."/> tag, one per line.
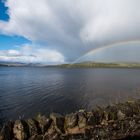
<point x="86" y="64"/>
<point x="120" y="121"/>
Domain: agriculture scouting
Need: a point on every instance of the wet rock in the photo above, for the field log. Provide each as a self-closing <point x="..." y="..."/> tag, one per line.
<point x="100" y="134"/>
<point x="120" y="115"/>
<point x="98" y="114"/>
<point x="104" y="118"/>
<point x="71" y="120"/>
<point x="90" y="119"/>
<point x="58" y="121"/>
<point x="135" y="108"/>
<point x="112" y="112"/>
<point x="82" y="120"/>
<point x="89" y="132"/>
<point x="21" y="130"/>
<point x="52" y="134"/>
<point x="105" y="115"/>
<point x="132" y="123"/>
<point x="7" y="132"/>
<point x="44" y="123"/>
<point x="33" y="127"/>
<point x="104" y="122"/>
<point x="36" y="137"/>
<point x="76" y="130"/>
<point x="113" y="122"/>
<point x="77" y="137"/>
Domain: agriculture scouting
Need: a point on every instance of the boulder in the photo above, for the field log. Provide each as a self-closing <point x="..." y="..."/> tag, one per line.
<point x="120" y="115"/>
<point x="82" y="120"/>
<point x="7" y="132"/>
<point x="71" y="120"/>
<point x="98" y="116"/>
<point x="79" y="136"/>
<point x="36" y="137"/>
<point x="21" y="130"/>
<point x="90" y="119"/>
<point x="105" y="118"/>
<point x="52" y="134"/>
<point x="75" y="130"/>
<point x="58" y="121"/>
<point x="101" y="134"/>
<point x="112" y="112"/>
<point x="33" y="127"/>
<point x="44" y="123"/>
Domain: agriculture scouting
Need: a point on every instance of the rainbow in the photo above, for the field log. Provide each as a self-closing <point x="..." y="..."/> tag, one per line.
<point x="95" y="50"/>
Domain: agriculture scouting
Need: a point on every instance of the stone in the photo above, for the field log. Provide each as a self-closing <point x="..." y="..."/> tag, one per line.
<point x="98" y="115"/>
<point x="77" y="136"/>
<point x="90" y="119"/>
<point x="71" y="120"/>
<point x="36" y="137"/>
<point x="76" y="130"/>
<point x="52" y="134"/>
<point x="120" y="115"/>
<point x="58" y="121"/>
<point x="21" y="130"/>
<point x="103" y="123"/>
<point x="112" y="112"/>
<point x="6" y="132"/>
<point x="105" y="118"/>
<point x="44" y="123"/>
<point x="82" y="120"/>
<point x="33" y="127"/>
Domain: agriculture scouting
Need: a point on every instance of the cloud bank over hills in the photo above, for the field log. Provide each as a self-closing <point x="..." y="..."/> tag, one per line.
<point x="29" y="54"/>
<point x="67" y="29"/>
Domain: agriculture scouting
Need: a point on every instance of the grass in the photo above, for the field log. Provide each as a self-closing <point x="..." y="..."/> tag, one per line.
<point x="101" y="65"/>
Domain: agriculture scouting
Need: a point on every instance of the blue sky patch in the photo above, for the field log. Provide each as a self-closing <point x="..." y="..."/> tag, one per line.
<point x="8" y="42"/>
<point x="3" y="11"/>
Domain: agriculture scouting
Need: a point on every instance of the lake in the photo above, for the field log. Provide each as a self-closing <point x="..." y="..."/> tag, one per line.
<point x="26" y="91"/>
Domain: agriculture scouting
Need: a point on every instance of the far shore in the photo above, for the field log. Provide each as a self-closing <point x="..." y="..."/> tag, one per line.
<point x="100" y="65"/>
<point x="75" y="65"/>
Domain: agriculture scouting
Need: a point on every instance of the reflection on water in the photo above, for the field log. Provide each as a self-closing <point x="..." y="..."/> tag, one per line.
<point x="26" y="91"/>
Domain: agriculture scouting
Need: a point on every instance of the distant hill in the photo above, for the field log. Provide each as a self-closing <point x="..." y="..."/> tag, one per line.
<point x="101" y="65"/>
<point x="10" y="64"/>
<point x="18" y="64"/>
<point x="88" y="64"/>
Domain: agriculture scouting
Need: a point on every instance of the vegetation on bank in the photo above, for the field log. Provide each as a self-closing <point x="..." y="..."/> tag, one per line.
<point x="101" y="65"/>
<point x="75" y="65"/>
<point x="121" y="121"/>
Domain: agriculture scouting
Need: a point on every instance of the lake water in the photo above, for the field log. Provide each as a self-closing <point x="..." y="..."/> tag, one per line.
<point x="25" y="91"/>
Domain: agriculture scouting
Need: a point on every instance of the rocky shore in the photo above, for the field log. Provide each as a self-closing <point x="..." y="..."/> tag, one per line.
<point x="121" y="121"/>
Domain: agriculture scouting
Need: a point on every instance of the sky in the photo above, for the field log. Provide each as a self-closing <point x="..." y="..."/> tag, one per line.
<point x="67" y="31"/>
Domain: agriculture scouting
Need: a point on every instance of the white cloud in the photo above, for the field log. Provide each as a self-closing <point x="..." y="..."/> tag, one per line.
<point x="29" y="54"/>
<point x="73" y="27"/>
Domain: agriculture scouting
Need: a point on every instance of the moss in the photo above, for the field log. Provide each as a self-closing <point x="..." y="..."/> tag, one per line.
<point x="100" y="65"/>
